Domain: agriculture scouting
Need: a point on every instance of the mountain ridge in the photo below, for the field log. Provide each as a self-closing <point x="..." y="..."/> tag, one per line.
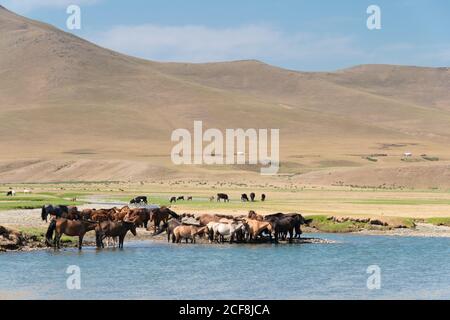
<point x="60" y="93"/>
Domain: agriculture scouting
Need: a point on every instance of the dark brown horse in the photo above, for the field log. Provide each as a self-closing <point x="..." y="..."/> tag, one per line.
<point x="297" y="219"/>
<point x="140" y="217"/>
<point x="169" y="226"/>
<point x="71" y="228"/>
<point x="223" y="196"/>
<point x="113" y="230"/>
<point x="162" y="215"/>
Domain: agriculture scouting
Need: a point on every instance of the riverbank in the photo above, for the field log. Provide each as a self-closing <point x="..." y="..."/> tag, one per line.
<point x="24" y="230"/>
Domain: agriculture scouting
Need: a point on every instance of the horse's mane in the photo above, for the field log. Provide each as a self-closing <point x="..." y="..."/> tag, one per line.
<point x="224" y="216"/>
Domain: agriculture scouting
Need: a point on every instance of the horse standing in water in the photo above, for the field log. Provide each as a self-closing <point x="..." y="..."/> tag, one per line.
<point x="113" y="229"/>
<point x="70" y="228"/>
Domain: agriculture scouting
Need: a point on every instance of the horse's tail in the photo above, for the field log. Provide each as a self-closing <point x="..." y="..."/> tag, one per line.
<point x="49" y="234"/>
<point x="44" y="213"/>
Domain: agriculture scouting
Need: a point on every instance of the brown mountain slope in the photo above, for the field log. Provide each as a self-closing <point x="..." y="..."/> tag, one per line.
<point x="65" y="99"/>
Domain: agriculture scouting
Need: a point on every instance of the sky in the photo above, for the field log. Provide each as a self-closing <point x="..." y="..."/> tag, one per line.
<point x="319" y="35"/>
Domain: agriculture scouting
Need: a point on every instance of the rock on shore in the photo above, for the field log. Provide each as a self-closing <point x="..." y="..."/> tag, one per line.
<point x="13" y="240"/>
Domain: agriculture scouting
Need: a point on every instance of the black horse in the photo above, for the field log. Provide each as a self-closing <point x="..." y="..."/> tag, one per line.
<point x="57" y="211"/>
<point x="223" y="196"/>
<point x="263" y="197"/>
<point x="139" y="200"/>
<point x="244" y="198"/>
<point x="252" y="196"/>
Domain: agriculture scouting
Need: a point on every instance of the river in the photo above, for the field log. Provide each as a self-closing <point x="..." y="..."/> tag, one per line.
<point x="410" y="268"/>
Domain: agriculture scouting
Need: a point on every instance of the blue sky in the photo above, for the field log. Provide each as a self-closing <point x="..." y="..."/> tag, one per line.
<point x="311" y="35"/>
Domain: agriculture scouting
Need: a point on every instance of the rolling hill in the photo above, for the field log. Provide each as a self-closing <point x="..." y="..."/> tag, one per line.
<point x="71" y="110"/>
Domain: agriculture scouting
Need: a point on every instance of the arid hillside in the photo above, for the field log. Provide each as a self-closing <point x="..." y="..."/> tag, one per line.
<point x="71" y="110"/>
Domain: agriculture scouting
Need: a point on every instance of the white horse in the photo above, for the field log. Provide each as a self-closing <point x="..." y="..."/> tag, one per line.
<point x="26" y="191"/>
<point x="229" y="230"/>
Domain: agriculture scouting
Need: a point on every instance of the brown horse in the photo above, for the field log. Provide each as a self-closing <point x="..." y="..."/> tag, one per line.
<point x="206" y="218"/>
<point x="253" y="215"/>
<point x="255" y="227"/>
<point x="140" y="217"/>
<point x="113" y="230"/>
<point x="188" y="232"/>
<point x="120" y="214"/>
<point x="71" y="228"/>
<point x="162" y="215"/>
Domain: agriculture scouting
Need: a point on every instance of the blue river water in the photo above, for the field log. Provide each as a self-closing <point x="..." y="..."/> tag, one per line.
<point x="410" y="268"/>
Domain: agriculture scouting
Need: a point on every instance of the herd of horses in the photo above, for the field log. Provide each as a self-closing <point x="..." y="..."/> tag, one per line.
<point x="113" y="225"/>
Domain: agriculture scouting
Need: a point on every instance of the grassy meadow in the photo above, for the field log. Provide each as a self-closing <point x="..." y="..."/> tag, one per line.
<point x="400" y="207"/>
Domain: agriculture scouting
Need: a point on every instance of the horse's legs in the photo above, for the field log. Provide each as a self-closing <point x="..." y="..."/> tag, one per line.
<point x="80" y="241"/>
<point x="55" y="240"/>
<point x="121" y="237"/>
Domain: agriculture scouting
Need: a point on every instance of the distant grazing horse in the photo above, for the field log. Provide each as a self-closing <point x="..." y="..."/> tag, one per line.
<point x="252" y="196"/>
<point x="263" y="197"/>
<point x="180" y="198"/>
<point x="244" y="197"/>
<point x="173" y="199"/>
<point x="11" y="193"/>
<point x="211" y="199"/>
<point x="139" y="200"/>
<point x="223" y="196"/>
<point x="68" y="227"/>
<point x="68" y="212"/>
<point x="189" y="198"/>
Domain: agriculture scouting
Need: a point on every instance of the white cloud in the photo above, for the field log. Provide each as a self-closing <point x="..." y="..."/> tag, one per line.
<point x="23" y="6"/>
<point x="193" y="43"/>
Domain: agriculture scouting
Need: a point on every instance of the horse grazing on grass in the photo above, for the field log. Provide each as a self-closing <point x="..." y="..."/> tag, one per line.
<point x="113" y="229"/>
<point x="223" y="196"/>
<point x="252" y="196"/>
<point x="244" y="198"/>
<point x="139" y="200"/>
<point x="68" y="227"/>
<point x="68" y="212"/>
